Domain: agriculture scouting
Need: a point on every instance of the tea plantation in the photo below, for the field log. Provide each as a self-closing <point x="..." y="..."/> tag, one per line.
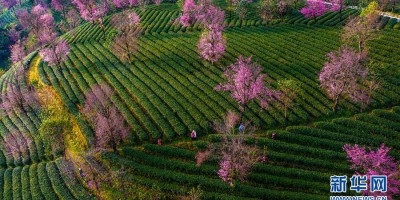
<point x="168" y="91"/>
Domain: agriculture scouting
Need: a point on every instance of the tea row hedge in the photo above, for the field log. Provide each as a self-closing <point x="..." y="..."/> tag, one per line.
<point x="40" y="181"/>
<point x="300" y="159"/>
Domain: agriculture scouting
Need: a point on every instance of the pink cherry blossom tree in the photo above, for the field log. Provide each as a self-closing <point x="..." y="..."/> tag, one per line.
<point x="375" y="163"/>
<point x="126" y="20"/>
<point x="341" y="77"/>
<point x="9" y="3"/>
<point x="13" y="34"/>
<point x="40" y="23"/>
<point x="54" y="55"/>
<point x="18" y="100"/>
<point x="212" y="18"/>
<point x="73" y="19"/>
<point x="46" y="33"/>
<point x="17" y="146"/>
<point x="314" y="8"/>
<point x="18" y="52"/>
<point x="212" y="45"/>
<point x="237" y="158"/>
<point x="247" y="84"/>
<point x="110" y="126"/>
<point x="189" y="13"/>
<point x="207" y="15"/>
<point x="93" y="11"/>
<point x="125" y="44"/>
<point x="32" y="19"/>
<point x="61" y="6"/>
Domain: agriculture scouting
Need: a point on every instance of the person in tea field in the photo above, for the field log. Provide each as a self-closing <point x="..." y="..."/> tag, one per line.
<point x="83" y="175"/>
<point x="193" y="135"/>
<point x="241" y="128"/>
<point x="159" y="141"/>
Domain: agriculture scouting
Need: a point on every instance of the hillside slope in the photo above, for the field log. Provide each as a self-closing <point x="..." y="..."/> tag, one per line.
<point x="301" y="159"/>
<point x="168" y="90"/>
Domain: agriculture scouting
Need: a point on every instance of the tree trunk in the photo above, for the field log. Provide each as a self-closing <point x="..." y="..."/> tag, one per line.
<point x="336" y="104"/>
<point x="64" y="14"/>
<point x="285" y="108"/>
<point x="129" y="58"/>
<point x="242" y="113"/>
<point x="114" y="145"/>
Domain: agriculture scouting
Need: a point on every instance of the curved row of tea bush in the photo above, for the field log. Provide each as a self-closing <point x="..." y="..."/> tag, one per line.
<point x="43" y="180"/>
<point x="165" y="176"/>
<point x="158" y="20"/>
<point x="6" y="17"/>
<point x="300" y="159"/>
<point x="27" y="122"/>
<point x="168" y="90"/>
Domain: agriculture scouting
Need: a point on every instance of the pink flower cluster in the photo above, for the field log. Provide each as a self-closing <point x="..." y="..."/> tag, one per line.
<point x="247" y="83"/>
<point x="9" y="3"/>
<point x="133" y="19"/>
<point x="58" y="4"/>
<point x="225" y="170"/>
<point x="54" y="55"/>
<point x="18" y="52"/>
<point x="110" y="126"/>
<point x="341" y="76"/>
<point x="314" y="8"/>
<point x="90" y="10"/>
<point x="375" y="163"/>
<point x="189" y="13"/>
<point x="237" y="157"/>
<point x="17" y="145"/>
<point x="212" y="45"/>
<point x="41" y="23"/>
<point x="207" y="15"/>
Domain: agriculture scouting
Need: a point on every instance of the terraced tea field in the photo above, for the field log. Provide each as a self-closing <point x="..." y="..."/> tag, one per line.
<point x="300" y="160"/>
<point x="168" y="90"/>
<point x="40" y="176"/>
